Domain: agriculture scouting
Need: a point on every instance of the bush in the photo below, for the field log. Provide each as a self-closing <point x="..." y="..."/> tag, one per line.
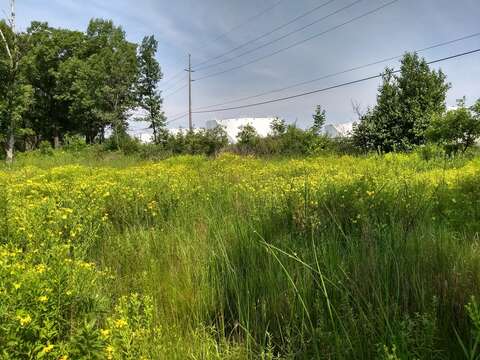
<point x="123" y="142"/>
<point x="430" y="152"/>
<point x="46" y="296"/>
<point x="456" y="130"/>
<point x="153" y="152"/>
<point x="74" y="143"/>
<point x="202" y="142"/>
<point x="45" y="148"/>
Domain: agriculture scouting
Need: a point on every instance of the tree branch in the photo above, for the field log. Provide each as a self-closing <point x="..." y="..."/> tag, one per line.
<point x="6" y="46"/>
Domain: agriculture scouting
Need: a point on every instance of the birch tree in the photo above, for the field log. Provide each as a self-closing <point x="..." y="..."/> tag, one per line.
<point x="15" y="95"/>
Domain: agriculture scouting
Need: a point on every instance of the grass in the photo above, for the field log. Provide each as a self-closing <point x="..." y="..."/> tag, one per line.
<point x="328" y="258"/>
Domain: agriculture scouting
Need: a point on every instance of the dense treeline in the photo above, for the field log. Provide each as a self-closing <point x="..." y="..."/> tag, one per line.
<point x="58" y="81"/>
<point x="410" y="114"/>
<point x="58" y="85"/>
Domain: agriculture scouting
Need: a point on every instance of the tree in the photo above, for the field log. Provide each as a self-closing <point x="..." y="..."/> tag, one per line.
<point x="278" y="127"/>
<point x="456" y="129"/>
<point x="319" y="120"/>
<point x="406" y="103"/>
<point x="149" y="76"/>
<point x="247" y="138"/>
<point x="114" y="61"/>
<point x="49" y="49"/>
<point x="99" y="81"/>
<point x="15" y="93"/>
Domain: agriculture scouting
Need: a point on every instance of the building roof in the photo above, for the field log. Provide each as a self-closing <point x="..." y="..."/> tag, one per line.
<point x="339" y="130"/>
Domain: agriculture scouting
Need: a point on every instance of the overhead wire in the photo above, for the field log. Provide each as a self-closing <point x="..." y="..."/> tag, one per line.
<point x="170" y="79"/>
<point x="176" y="118"/>
<point x="323" y="77"/>
<point x="283" y="36"/>
<point x="363" y="15"/>
<point x="247" y="21"/>
<point x="175" y="91"/>
<point x="331" y="87"/>
<point x="200" y="66"/>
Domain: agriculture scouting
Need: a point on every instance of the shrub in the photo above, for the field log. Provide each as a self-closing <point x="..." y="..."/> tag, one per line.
<point x="74" y="142"/>
<point x="456" y="130"/>
<point x="45" y="148"/>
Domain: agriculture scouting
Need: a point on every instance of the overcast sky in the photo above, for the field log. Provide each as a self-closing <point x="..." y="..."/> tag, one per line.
<point x="194" y="26"/>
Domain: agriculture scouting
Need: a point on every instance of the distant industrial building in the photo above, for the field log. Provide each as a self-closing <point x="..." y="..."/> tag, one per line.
<point x="234" y="126"/>
<point x="339" y="130"/>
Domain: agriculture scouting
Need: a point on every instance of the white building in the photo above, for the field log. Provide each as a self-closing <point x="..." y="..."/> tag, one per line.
<point x="234" y="126"/>
<point x="339" y="130"/>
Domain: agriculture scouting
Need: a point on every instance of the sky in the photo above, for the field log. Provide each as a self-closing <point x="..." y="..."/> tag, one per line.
<point x="209" y="28"/>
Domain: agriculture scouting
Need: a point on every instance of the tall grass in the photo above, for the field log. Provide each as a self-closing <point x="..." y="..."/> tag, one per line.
<point x="328" y="258"/>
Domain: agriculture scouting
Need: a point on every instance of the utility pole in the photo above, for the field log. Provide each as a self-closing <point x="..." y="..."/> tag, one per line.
<point x="189" y="70"/>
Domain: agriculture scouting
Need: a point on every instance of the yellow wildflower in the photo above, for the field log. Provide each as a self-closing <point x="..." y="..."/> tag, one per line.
<point x="120" y="323"/>
<point x="47" y="348"/>
<point x="109" y="350"/>
<point x="43" y="298"/>
<point x="24" y="320"/>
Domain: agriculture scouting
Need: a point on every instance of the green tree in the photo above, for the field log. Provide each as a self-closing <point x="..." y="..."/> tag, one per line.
<point x="50" y="48"/>
<point x="406" y="103"/>
<point x="278" y="127"/>
<point x="456" y="129"/>
<point x="149" y="76"/>
<point x="99" y="81"/>
<point x="247" y="138"/>
<point x="15" y="93"/>
<point x="114" y="64"/>
<point x="319" y="120"/>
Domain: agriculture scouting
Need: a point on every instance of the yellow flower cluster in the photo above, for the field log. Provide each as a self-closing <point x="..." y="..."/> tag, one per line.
<point x="72" y="204"/>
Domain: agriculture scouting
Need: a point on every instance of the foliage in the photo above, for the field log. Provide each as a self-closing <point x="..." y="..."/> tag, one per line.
<point x="405" y="106"/>
<point x="74" y="143"/>
<point x="15" y="92"/>
<point x="278" y="127"/>
<point x="70" y="82"/>
<point x="49" y="48"/>
<point x="319" y="120"/>
<point x="149" y="98"/>
<point x="289" y="140"/>
<point x="45" y="148"/>
<point x="239" y="258"/>
<point x="456" y="130"/>
<point x="247" y="138"/>
<point x="208" y="142"/>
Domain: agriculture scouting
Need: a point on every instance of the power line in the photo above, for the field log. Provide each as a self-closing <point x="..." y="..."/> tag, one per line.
<point x="175" y="91"/>
<point x="284" y="36"/>
<point x="311" y="11"/>
<point x="299" y="42"/>
<point x="173" y="84"/>
<point x="170" y="79"/>
<point x="331" y="87"/>
<point x="341" y="72"/>
<point x="249" y="20"/>
<point x="176" y="118"/>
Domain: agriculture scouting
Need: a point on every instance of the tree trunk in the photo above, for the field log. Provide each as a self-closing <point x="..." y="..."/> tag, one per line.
<point x="9" y="146"/>
<point x="56" y="138"/>
<point x="154" y="133"/>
